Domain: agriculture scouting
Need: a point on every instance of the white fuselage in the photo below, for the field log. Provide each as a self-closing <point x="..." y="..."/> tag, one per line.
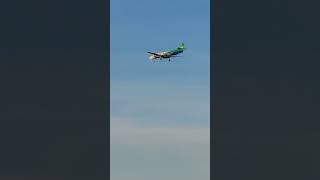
<point x="152" y="57"/>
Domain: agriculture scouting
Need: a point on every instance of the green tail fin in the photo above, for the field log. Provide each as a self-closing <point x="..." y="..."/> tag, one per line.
<point x="181" y="46"/>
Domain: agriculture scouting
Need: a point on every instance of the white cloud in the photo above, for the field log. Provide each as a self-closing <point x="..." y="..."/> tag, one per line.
<point x="158" y="153"/>
<point x="123" y="131"/>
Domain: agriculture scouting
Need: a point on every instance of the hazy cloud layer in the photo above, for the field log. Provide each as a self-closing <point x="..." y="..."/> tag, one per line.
<point x="158" y="153"/>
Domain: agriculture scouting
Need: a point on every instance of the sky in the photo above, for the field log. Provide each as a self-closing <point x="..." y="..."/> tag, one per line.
<point x="159" y="111"/>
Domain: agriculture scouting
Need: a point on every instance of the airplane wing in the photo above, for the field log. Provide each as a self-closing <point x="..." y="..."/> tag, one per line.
<point x="155" y="54"/>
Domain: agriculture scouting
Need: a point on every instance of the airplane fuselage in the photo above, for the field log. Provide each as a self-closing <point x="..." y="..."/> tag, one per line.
<point x="175" y="52"/>
<point x="167" y="54"/>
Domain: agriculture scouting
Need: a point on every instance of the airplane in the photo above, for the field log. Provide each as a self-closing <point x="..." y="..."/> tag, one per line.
<point x="167" y="54"/>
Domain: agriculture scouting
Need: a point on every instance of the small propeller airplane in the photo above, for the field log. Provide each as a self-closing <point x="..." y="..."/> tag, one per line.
<point x="167" y="54"/>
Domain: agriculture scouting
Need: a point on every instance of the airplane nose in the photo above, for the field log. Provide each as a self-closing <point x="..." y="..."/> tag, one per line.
<point x="151" y="57"/>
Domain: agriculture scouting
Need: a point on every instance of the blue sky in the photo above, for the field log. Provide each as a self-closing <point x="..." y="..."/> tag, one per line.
<point x="159" y="111"/>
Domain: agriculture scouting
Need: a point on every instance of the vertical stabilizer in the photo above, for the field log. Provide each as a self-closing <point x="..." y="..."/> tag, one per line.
<point x="181" y="46"/>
